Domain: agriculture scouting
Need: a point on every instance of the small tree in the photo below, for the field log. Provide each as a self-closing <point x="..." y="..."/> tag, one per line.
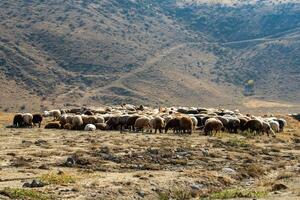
<point x="249" y="88"/>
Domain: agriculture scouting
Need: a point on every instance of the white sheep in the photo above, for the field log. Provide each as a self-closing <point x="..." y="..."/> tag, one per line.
<point x="90" y="127"/>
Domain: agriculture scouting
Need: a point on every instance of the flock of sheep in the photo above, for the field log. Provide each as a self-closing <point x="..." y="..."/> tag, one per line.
<point x="132" y="118"/>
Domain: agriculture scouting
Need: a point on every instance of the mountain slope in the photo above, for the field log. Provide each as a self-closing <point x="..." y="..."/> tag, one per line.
<point x="154" y="52"/>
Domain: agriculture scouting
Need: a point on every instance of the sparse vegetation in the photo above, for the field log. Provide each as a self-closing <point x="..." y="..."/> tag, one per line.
<point x="235" y="142"/>
<point x="57" y="178"/>
<point x="255" y="170"/>
<point x="25" y="194"/>
<point x="237" y="193"/>
<point x="106" y="165"/>
<point x="176" y="194"/>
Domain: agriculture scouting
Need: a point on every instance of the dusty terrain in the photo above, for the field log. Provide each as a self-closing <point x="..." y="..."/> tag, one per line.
<point x="110" y="165"/>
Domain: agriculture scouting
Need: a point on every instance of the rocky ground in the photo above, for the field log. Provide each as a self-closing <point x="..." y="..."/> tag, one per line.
<point x="58" y="164"/>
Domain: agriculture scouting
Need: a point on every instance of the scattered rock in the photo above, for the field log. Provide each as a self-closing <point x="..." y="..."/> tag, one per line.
<point x="34" y="184"/>
<point x="70" y="162"/>
<point x="228" y="170"/>
<point x="40" y="142"/>
<point x="153" y="151"/>
<point x="11" y="154"/>
<point x="104" y="149"/>
<point x="44" y="166"/>
<point x="141" y="194"/>
<point x="195" y="186"/>
<point x="205" y="152"/>
<point x="60" y="172"/>
<point x="26" y="143"/>
<point x="297" y="140"/>
<point x="279" y="186"/>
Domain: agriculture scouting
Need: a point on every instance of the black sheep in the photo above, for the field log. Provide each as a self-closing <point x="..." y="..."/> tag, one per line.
<point x="18" y="121"/>
<point x="37" y="119"/>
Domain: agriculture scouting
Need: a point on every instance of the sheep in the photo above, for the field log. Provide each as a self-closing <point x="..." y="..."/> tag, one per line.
<point x="52" y="125"/>
<point x="195" y="122"/>
<point x="253" y="125"/>
<point x="18" y="121"/>
<point x="131" y="121"/>
<point x="186" y="124"/>
<point x="54" y="113"/>
<point x="63" y="120"/>
<point x="77" y="122"/>
<point x="212" y="124"/>
<point x="89" y="119"/>
<point x="233" y="124"/>
<point x="37" y="119"/>
<point x="267" y="128"/>
<point x="27" y="117"/>
<point x="157" y="123"/>
<point x="75" y="111"/>
<point x="282" y="123"/>
<point x="203" y="120"/>
<point x="67" y="126"/>
<point x="88" y="112"/>
<point x="69" y="119"/>
<point x="275" y="126"/>
<point x="101" y="126"/>
<point x="224" y="121"/>
<point x="173" y="124"/>
<point x="63" y="111"/>
<point x="113" y="122"/>
<point x="100" y="119"/>
<point x="199" y="118"/>
<point x="90" y="127"/>
<point x="168" y="118"/>
<point x="142" y="123"/>
<point x="123" y="121"/>
<point x="243" y="121"/>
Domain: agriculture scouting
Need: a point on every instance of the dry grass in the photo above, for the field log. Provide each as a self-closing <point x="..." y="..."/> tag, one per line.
<point x="26" y="194"/>
<point x="6" y="119"/>
<point x="176" y="194"/>
<point x="255" y="170"/>
<point x="57" y="178"/>
<point x="237" y="193"/>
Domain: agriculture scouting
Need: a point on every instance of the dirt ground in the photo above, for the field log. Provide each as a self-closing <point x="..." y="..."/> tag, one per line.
<point x="110" y="165"/>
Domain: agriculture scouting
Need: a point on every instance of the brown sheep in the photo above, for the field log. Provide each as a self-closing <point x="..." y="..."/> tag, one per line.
<point x="77" y="122"/>
<point x="101" y="126"/>
<point x="52" y="125"/>
<point x="186" y="124"/>
<point x="89" y="119"/>
<point x="243" y="121"/>
<point x="67" y="126"/>
<point x="212" y="124"/>
<point x="142" y="123"/>
<point x="157" y="123"/>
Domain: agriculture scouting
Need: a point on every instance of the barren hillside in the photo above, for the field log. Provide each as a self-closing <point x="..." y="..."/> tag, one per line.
<point x="154" y="52"/>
